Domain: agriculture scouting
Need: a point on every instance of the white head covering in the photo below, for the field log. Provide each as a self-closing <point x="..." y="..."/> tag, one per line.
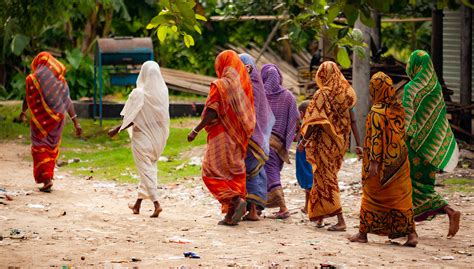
<point x="148" y="107"/>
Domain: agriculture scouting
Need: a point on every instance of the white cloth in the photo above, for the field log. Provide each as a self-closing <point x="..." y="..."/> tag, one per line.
<point x="147" y="108"/>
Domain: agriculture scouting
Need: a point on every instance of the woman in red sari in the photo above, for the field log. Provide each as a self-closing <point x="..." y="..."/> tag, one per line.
<point x="47" y="97"/>
<point x="229" y="120"/>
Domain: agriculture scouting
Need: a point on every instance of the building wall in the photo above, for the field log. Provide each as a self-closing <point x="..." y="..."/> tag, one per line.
<point x="452" y="51"/>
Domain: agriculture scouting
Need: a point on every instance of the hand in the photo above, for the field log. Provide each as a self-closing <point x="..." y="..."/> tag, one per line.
<point x="373" y="169"/>
<point x="113" y="132"/>
<point x="359" y="152"/>
<point x="192" y="135"/>
<point x="21" y="118"/>
<point x="78" y="128"/>
<point x="300" y="146"/>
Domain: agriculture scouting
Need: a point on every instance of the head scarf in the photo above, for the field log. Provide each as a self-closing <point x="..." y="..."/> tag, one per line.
<point x="428" y="129"/>
<point x="263" y="112"/>
<point x="282" y="103"/>
<point x="47" y="93"/>
<point x="236" y="104"/>
<point x="272" y="79"/>
<point x="330" y="105"/>
<point x="147" y="106"/>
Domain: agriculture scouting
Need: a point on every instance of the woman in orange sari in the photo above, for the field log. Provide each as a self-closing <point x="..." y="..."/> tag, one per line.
<point x="47" y="97"/>
<point x="229" y="120"/>
<point x="326" y="131"/>
<point x="386" y="207"/>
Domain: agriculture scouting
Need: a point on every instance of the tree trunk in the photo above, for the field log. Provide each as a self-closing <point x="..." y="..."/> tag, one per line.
<point x="437" y="42"/>
<point x="376" y="32"/>
<point x="109" y="14"/>
<point x="466" y="66"/>
<point x="90" y="28"/>
<point x="360" y="83"/>
<point x="286" y="46"/>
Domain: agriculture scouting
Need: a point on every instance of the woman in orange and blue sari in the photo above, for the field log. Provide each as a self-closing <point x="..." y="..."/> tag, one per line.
<point x="229" y="120"/>
<point x="47" y="97"/>
<point x="386" y="207"/>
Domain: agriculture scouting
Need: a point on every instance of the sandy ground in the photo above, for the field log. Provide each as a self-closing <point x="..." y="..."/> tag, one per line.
<point x="86" y="223"/>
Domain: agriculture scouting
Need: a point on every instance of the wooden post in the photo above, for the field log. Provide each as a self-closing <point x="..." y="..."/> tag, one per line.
<point x="437" y="42"/>
<point x="360" y="82"/>
<point x="466" y="66"/>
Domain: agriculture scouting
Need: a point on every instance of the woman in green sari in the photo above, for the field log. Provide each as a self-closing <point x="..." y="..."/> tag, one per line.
<point x="430" y="140"/>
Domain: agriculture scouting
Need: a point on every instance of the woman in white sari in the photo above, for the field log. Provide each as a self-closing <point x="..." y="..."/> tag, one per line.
<point x="146" y="111"/>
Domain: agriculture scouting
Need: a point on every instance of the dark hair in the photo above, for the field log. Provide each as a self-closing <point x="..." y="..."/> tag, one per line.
<point x="303" y="106"/>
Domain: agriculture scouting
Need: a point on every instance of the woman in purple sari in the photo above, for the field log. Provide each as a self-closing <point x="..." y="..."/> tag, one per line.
<point x="283" y="105"/>
<point x="259" y="144"/>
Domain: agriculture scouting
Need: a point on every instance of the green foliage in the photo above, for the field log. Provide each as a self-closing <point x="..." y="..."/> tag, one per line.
<point x="177" y="17"/>
<point x="80" y="74"/>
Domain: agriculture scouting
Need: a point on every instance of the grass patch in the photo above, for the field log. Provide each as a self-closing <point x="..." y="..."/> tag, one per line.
<point x="106" y="158"/>
<point x="465" y="185"/>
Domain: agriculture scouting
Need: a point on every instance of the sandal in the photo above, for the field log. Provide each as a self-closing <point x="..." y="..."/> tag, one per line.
<point x="280" y="215"/>
<point x="47" y="187"/>
<point x="239" y="211"/>
<point x="225" y="223"/>
<point x="334" y="228"/>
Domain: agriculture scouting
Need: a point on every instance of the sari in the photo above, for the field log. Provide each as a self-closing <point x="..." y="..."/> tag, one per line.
<point x="147" y="108"/>
<point x="386" y="207"/>
<point x="328" y="111"/>
<point x="283" y="105"/>
<point x="259" y="143"/>
<point x="231" y="96"/>
<point x="430" y="140"/>
<point x="47" y="96"/>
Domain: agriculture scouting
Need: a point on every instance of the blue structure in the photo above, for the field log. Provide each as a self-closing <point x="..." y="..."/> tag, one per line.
<point x="122" y="57"/>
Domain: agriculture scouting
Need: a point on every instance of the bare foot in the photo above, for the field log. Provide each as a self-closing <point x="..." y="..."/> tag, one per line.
<point x="337" y="228"/>
<point x="304" y="210"/>
<point x="320" y="224"/>
<point x="454" y="219"/>
<point x="47" y="186"/>
<point x="135" y="209"/>
<point x="157" y="212"/>
<point x="251" y="217"/>
<point x="359" y="238"/>
<point x="412" y="240"/>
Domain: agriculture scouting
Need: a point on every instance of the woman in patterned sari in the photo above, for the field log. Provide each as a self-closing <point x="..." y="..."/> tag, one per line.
<point x="259" y="143"/>
<point x="430" y="140"/>
<point x="326" y="131"/>
<point x="47" y="97"/>
<point x="386" y="207"/>
<point x="283" y="105"/>
<point x="229" y="119"/>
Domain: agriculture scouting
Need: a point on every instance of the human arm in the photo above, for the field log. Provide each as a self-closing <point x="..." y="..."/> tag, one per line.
<point x="75" y="120"/>
<point x="114" y="131"/>
<point x="355" y="131"/>
<point x="209" y="115"/>
<point x="24" y="107"/>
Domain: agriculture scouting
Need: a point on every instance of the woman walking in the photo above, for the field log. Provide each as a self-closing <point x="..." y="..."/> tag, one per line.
<point x="259" y="143"/>
<point x="430" y="140"/>
<point x="326" y="131"/>
<point x="147" y="113"/>
<point x="283" y="105"/>
<point x="229" y="120"/>
<point x="386" y="207"/>
<point x="47" y="97"/>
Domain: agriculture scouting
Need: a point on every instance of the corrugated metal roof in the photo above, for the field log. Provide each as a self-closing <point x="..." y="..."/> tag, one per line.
<point x="452" y="51"/>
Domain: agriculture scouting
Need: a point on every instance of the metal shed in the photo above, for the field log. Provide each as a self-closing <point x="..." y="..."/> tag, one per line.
<point x="122" y="58"/>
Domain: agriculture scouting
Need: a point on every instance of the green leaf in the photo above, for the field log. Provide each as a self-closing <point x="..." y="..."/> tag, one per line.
<point x="165" y="3"/>
<point x="19" y="43"/>
<point x="196" y="27"/>
<point x="188" y="40"/>
<point x="359" y="51"/>
<point x="74" y="58"/>
<point x="343" y="57"/>
<point x="157" y="20"/>
<point x="333" y="11"/>
<point x="412" y="2"/>
<point x="200" y="17"/>
<point x="174" y="28"/>
<point x="352" y="13"/>
<point x="366" y="17"/>
<point x="342" y="33"/>
<point x="162" y="31"/>
<point x="186" y="11"/>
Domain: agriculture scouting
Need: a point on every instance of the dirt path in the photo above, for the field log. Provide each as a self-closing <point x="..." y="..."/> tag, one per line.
<point x="87" y="223"/>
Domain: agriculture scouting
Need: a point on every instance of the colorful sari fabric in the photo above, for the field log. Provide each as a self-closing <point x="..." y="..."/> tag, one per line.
<point x="223" y="167"/>
<point x="328" y="111"/>
<point x="259" y="143"/>
<point x="283" y="105"/>
<point x="47" y="96"/>
<point x="430" y="140"/>
<point x="386" y="207"/>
